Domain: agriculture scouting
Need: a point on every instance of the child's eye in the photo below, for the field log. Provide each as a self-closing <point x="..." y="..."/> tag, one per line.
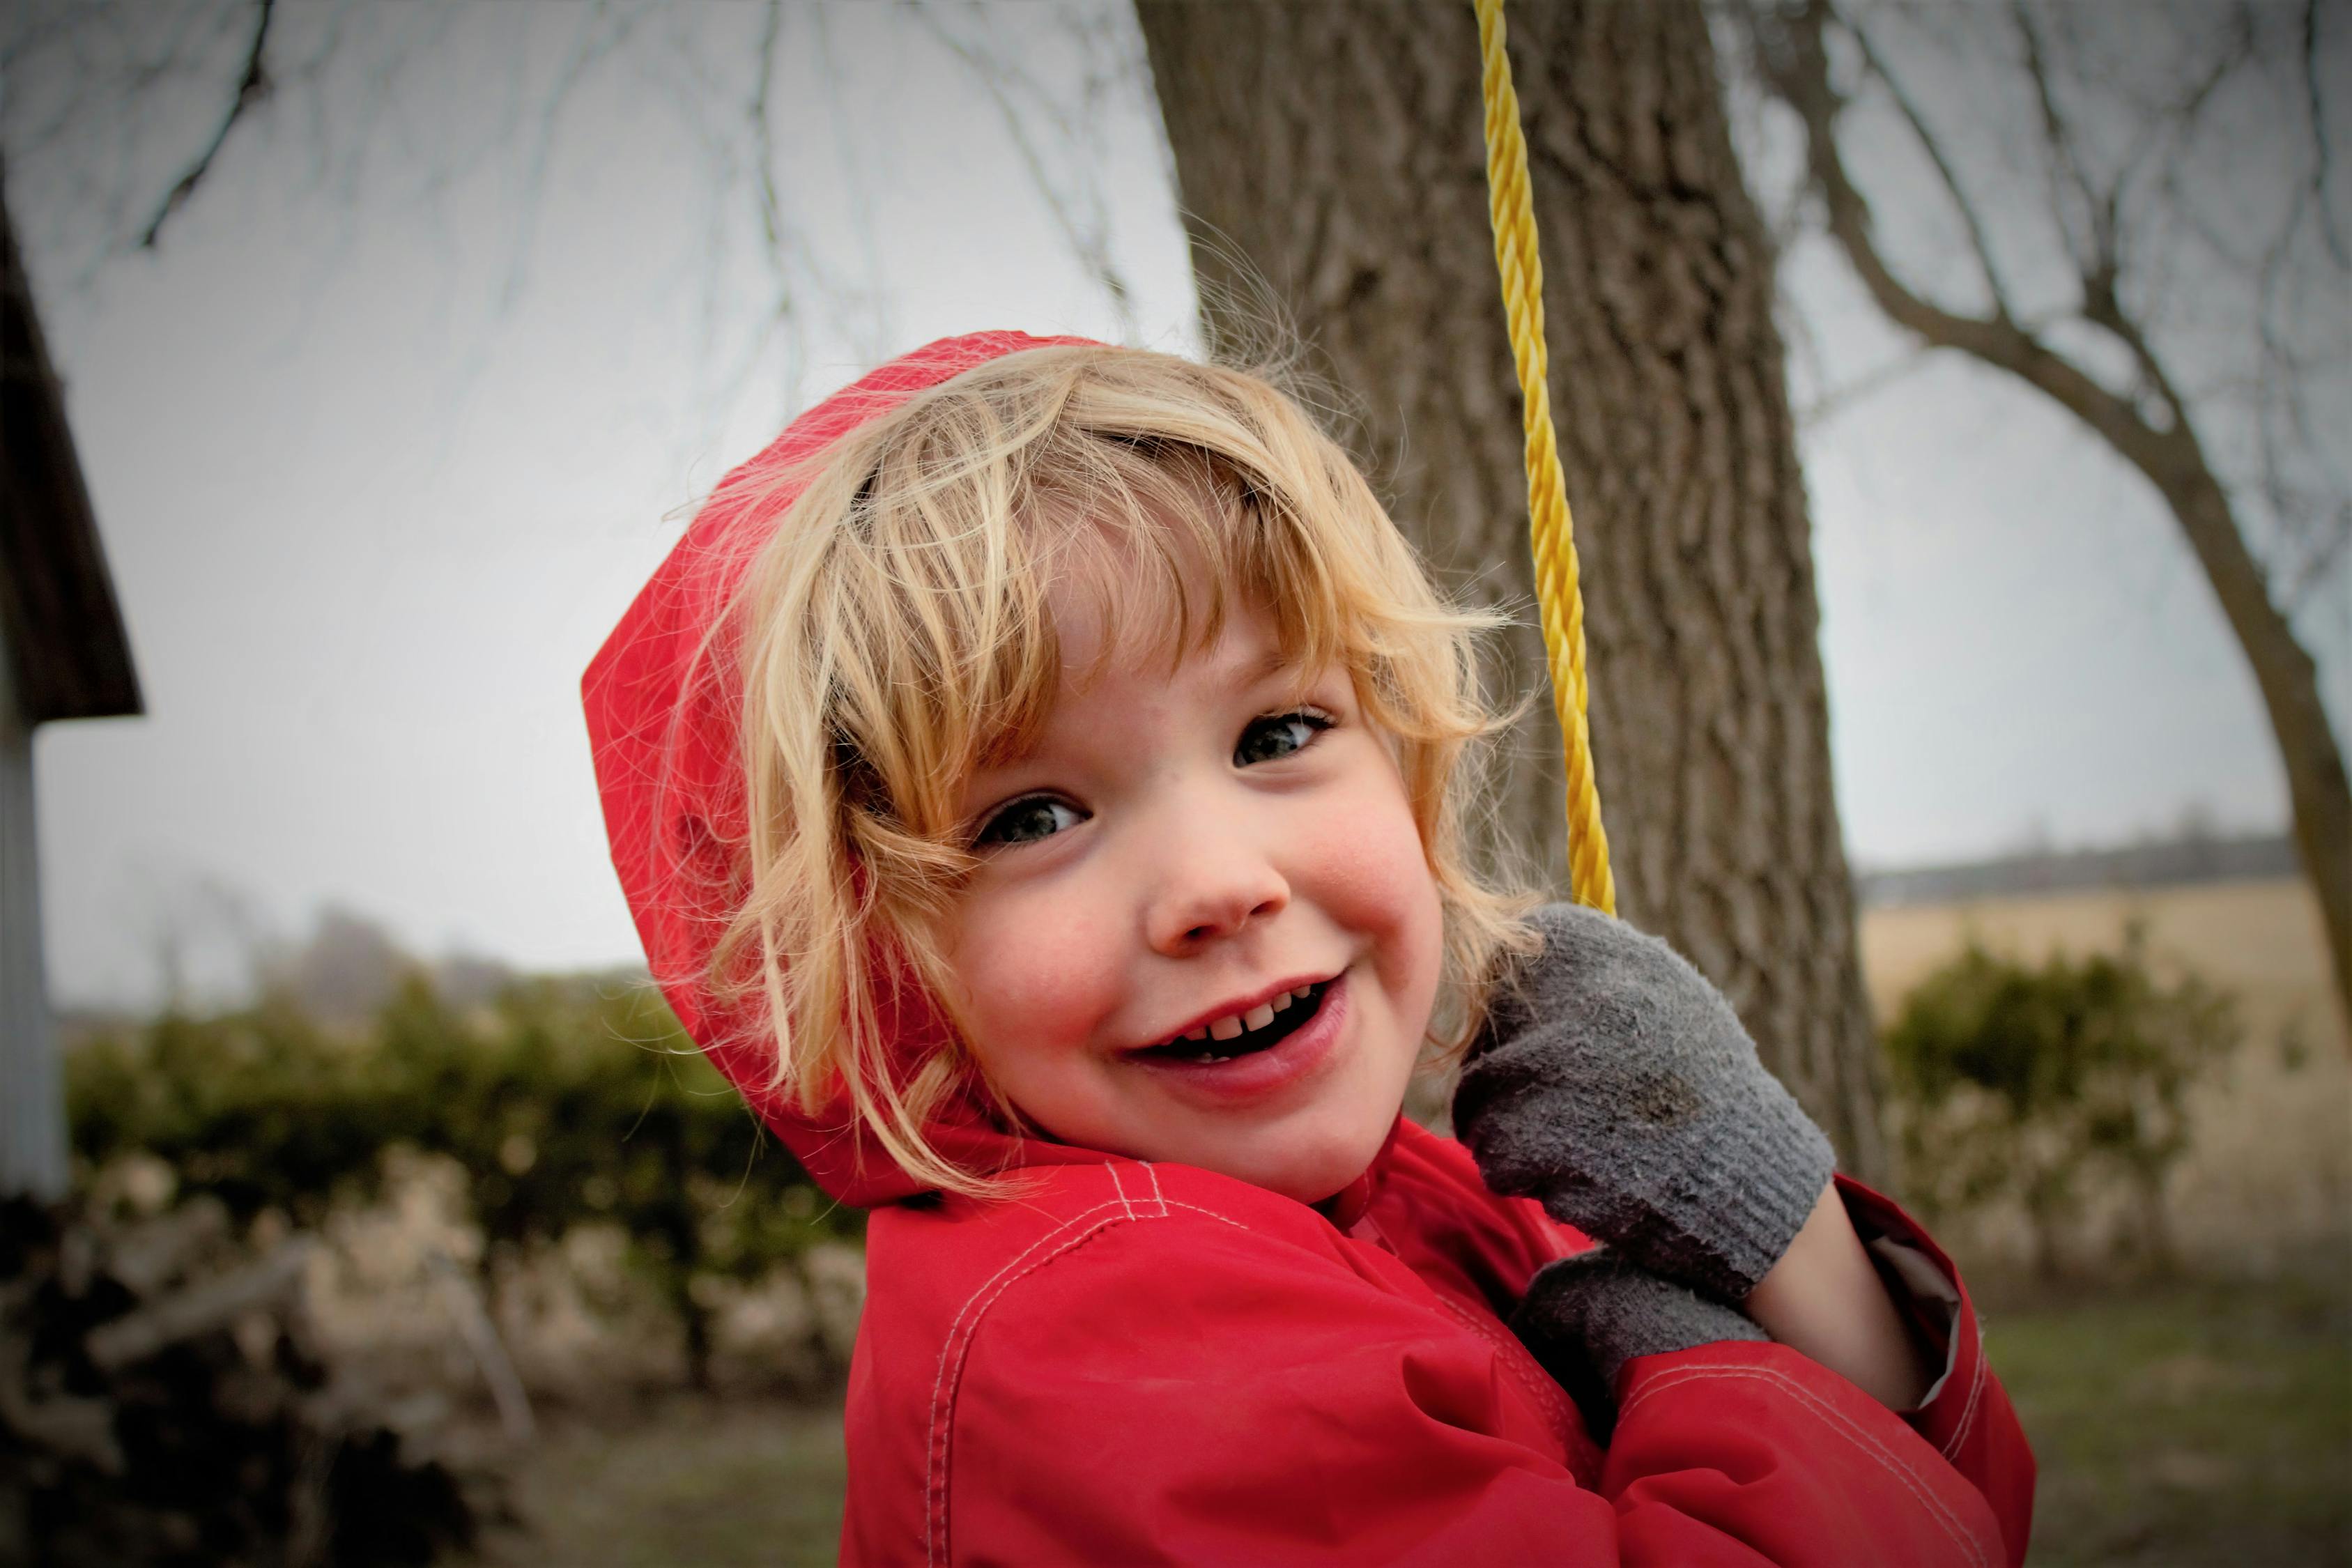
<point x="1279" y="735"/>
<point x="1027" y="820"/>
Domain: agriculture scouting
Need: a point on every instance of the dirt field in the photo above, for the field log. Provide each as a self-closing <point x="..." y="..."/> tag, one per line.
<point x="2270" y="1176"/>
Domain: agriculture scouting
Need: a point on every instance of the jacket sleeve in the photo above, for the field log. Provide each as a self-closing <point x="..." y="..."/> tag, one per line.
<point x="1966" y="1416"/>
<point x="1231" y="1399"/>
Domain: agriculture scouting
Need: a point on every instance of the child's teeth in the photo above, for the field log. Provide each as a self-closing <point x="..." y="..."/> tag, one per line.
<point x="1237" y="1024"/>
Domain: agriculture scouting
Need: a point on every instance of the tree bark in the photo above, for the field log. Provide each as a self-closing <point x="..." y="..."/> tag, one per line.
<point x="1334" y="151"/>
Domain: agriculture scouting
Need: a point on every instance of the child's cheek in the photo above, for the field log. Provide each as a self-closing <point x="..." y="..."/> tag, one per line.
<point x="1035" y="970"/>
<point x="1374" y="877"/>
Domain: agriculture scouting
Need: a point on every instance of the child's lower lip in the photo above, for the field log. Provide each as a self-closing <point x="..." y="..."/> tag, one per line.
<point x="1261" y="1073"/>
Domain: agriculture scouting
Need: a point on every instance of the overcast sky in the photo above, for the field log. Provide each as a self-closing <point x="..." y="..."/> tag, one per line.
<point x="404" y="409"/>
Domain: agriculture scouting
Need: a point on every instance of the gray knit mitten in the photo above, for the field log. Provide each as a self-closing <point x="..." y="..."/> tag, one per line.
<point x="1584" y="1317"/>
<point x="1615" y="1084"/>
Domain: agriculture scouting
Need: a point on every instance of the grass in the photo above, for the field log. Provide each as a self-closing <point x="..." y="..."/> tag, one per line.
<point x="685" y="1482"/>
<point x="2187" y="1423"/>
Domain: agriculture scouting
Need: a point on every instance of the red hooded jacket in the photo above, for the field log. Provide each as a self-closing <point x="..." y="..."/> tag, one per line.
<point x="1132" y="1363"/>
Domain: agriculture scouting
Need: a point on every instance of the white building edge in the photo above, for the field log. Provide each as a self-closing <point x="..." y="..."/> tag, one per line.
<point x="63" y="654"/>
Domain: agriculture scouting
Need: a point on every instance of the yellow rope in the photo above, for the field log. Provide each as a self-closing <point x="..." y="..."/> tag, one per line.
<point x="1551" y="531"/>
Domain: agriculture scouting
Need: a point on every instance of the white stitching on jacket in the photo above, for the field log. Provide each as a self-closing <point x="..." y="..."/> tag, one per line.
<point x="1547" y="1394"/>
<point x="976" y="1305"/>
<point x="1836" y="1421"/>
<point x="1951" y="1445"/>
<point x="1196" y="1208"/>
<point x="935" y="1468"/>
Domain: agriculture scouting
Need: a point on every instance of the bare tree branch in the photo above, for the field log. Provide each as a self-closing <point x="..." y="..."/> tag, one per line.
<point x="1795" y="64"/>
<point x="2280" y="385"/>
<point x="872" y="294"/>
<point x="252" y="86"/>
<point x="1836" y="400"/>
<point x="2092" y="252"/>
<point x="1088" y="237"/>
<point x="2333" y="539"/>
<point x="594" y="44"/>
<point x="764" y="136"/>
<point x="772" y="228"/>
<point x="1791" y="60"/>
<point x="1978" y="240"/>
<point x="2327" y="229"/>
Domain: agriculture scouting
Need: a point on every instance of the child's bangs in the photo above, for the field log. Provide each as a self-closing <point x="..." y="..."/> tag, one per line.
<point x="1164" y="556"/>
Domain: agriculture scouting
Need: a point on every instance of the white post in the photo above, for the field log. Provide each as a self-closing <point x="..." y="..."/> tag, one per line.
<point x="32" y="1093"/>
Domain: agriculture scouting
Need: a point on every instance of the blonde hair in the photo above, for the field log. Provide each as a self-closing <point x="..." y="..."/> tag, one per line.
<point x="894" y="636"/>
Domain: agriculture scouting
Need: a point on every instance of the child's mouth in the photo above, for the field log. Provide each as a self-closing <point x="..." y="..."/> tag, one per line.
<point x="1300" y="1012"/>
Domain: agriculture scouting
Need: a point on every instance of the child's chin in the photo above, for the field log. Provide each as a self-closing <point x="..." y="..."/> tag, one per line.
<point x="1311" y="1175"/>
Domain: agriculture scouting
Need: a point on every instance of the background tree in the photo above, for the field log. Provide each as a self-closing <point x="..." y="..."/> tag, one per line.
<point x="2144" y="225"/>
<point x="1334" y="152"/>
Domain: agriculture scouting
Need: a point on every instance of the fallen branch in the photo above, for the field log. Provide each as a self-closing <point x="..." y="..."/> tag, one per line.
<point x="216" y="1304"/>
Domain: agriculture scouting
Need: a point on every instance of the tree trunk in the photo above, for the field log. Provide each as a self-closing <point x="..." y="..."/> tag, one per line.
<point x="696" y="1318"/>
<point x="2159" y="1253"/>
<point x="1334" y="151"/>
<point x="2049" y="1256"/>
<point x="2319" y="801"/>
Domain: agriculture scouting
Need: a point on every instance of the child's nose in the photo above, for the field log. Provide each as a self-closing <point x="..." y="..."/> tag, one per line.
<point x="1212" y="889"/>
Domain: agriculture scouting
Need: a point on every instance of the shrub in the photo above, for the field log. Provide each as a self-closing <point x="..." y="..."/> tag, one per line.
<point x="2017" y="1081"/>
<point x="566" y="1101"/>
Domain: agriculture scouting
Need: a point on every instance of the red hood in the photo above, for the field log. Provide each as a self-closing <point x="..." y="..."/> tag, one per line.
<point x="662" y="726"/>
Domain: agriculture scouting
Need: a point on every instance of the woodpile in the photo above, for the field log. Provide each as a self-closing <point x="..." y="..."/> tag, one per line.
<point x="164" y="1400"/>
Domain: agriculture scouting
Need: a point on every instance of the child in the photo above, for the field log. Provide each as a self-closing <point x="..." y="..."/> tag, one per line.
<point x="1037" y="781"/>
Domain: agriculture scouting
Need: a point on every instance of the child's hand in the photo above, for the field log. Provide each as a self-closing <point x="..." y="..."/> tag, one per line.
<point x="1615" y="1084"/>
<point x="1585" y="1317"/>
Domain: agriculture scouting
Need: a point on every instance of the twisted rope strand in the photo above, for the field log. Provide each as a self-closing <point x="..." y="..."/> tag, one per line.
<point x="1551" y="530"/>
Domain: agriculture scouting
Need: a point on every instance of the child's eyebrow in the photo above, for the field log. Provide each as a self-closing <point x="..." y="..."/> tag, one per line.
<point x="1263" y="668"/>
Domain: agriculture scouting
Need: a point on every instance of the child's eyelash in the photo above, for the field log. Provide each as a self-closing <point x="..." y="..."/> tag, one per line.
<point x="983" y="836"/>
<point x="1314" y="719"/>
